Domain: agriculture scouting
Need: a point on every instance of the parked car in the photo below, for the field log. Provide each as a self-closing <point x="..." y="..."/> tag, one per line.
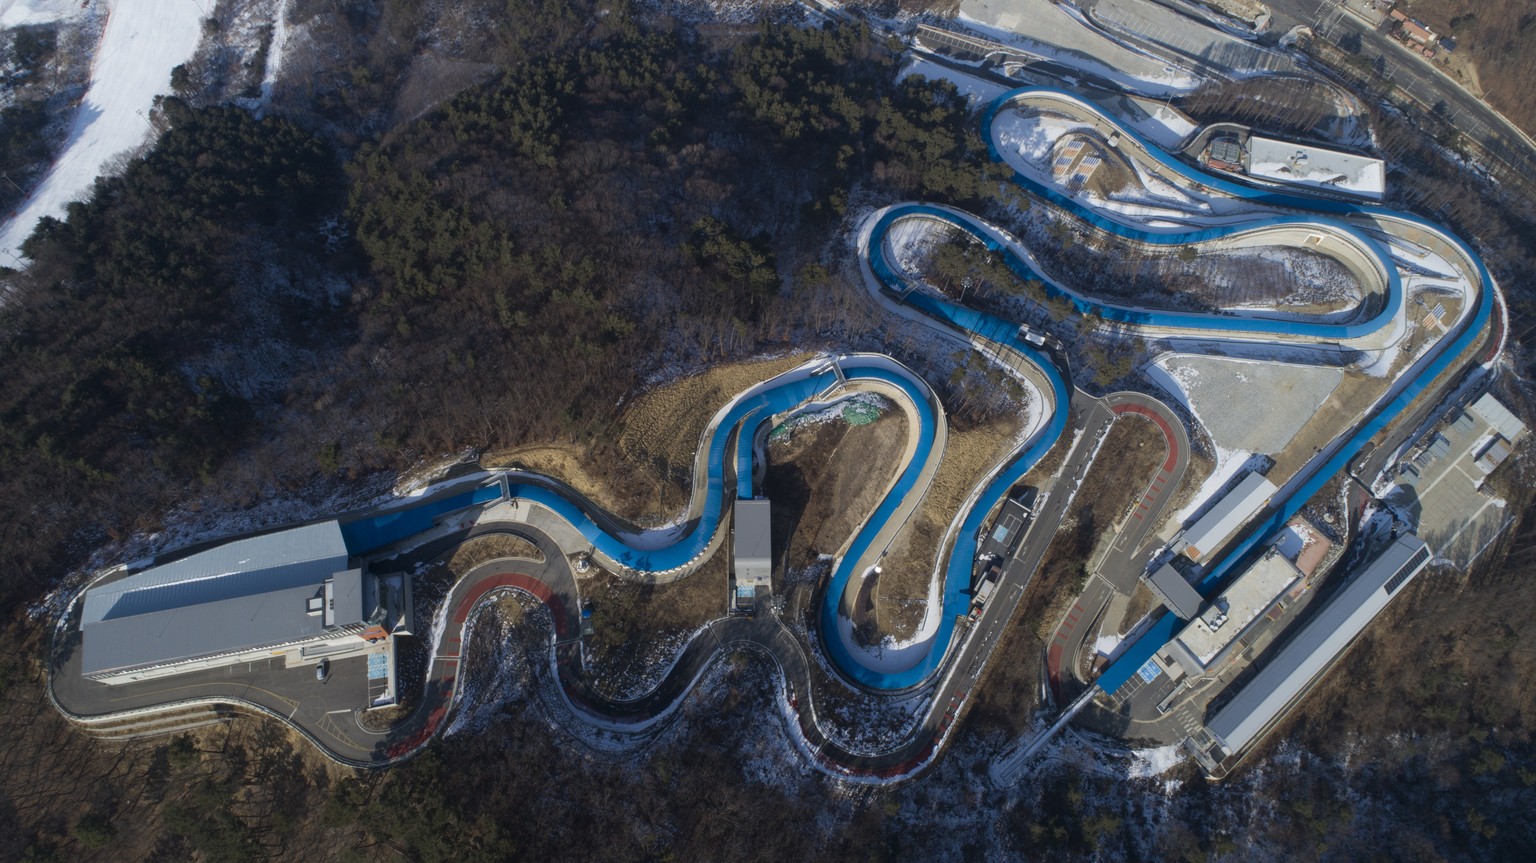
<point x="323" y="670"/>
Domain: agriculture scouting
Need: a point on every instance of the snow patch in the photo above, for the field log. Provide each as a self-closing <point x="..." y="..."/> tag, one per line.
<point x="25" y="13"/>
<point x="977" y="91"/>
<point x="143" y="41"/>
<point x="1146" y="763"/>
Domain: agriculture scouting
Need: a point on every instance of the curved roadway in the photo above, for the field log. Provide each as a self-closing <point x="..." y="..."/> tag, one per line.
<point x="679" y="551"/>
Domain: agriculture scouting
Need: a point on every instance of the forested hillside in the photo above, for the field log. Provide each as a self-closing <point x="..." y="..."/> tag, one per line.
<point x="1498" y="37"/>
<point x="400" y="262"/>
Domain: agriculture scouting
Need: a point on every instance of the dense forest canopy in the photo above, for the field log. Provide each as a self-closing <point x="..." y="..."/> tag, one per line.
<point x="542" y="239"/>
<point x="294" y="305"/>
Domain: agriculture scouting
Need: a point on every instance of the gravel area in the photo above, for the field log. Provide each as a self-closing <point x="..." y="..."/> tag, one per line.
<point x="1247" y="405"/>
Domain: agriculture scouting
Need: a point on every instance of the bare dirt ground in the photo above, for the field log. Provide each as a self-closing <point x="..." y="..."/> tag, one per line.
<point x="662" y="427"/>
<point x="825" y="479"/>
<point x="646" y="475"/>
<point x="902" y="593"/>
<point x="1122" y="470"/>
<point x="1200" y="468"/>
<point x="1141" y="602"/>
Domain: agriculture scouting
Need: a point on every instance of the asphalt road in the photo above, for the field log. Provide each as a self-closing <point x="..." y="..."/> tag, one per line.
<point x="1432" y="89"/>
<point x="1120" y="568"/>
<point x="327" y="712"/>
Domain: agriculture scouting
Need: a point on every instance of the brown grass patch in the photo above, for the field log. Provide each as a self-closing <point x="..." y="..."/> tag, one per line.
<point x="662" y="427"/>
<point x="901" y="598"/>
<point x="473" y="552"/>
<point x="1122" y="470"/>
<point x="647" y="475"/>
<point x="825" y="479"/>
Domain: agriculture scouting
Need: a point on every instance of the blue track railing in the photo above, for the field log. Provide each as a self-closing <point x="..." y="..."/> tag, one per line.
<point x="748" y="414"/>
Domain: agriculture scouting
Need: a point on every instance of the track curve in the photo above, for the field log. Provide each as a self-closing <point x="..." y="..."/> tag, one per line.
<point x="679" y="550"/>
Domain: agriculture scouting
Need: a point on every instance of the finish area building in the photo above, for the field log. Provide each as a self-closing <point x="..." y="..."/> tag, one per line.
<point x="1265" y="700"/>
<point x="293" y="594"/>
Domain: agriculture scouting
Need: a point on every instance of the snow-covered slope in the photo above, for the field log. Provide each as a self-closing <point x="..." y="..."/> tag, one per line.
<point x="20" y="13"/>
<point x="143" y="41"/>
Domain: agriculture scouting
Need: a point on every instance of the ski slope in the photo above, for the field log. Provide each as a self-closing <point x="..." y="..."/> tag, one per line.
<point x="143" y="41"/>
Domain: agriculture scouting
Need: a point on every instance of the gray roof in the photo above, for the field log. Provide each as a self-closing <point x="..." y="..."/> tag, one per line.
<point x="287" y="558"/>
<point x="1175" y="592"/>
<point x="1236" y="507"/>
<point x="1495" y="414"/>
<point x="231" y="598"/>
<point x="753" y="541"/>
<point x="1267" y="696"/>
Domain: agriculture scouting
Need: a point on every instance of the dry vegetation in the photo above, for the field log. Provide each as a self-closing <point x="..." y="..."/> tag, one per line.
<point x="1424" y="738"/>
<point x="647" y="477"/>
<point x="901" y="595"/>
<point x="1124" y="467"/>
<point x="825" y="478"/>
<point x="482" y="549"/>
<point x="638" y="627"/>
<point x="1498" y="39"/>
<point x="663" y="427"/>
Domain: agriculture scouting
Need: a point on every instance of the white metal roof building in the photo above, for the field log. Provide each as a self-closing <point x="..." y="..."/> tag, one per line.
<point x="1269" y="695"/>
<point x="1207" y="640"/>
<point x="1301" y="165"/>
<point x="753" y="547"/>
<point x="1239" y="505"/>
<point x="258" y="596"/>
<point x="1493" y="412"/>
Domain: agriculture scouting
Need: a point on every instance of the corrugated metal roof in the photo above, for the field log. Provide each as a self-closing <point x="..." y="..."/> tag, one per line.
<point x="194" y="631"/>
<point x="1268" y="694"/>
<point x="1493" y="412"/>
<point x="753" y="541"/>
<point x="244" y="567"/>
<point x="231" y="598"/>
<point x="1227" y="515"/>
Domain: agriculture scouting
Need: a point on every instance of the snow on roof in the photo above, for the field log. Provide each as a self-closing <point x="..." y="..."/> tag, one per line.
<point x="1289" y="162"/>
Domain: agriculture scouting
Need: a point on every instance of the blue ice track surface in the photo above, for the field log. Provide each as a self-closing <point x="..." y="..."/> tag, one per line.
<point x="1288" y="507"/>
<point x="749" y="413"/>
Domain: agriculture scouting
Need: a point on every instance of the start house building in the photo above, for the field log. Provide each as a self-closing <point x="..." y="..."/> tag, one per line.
<point x="292" y="593"/>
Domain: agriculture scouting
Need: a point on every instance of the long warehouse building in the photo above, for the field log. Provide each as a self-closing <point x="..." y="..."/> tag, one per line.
<point x="1274" y="690"/>
<point x="1235" y="508"/>
<point x="292" y="593"/>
